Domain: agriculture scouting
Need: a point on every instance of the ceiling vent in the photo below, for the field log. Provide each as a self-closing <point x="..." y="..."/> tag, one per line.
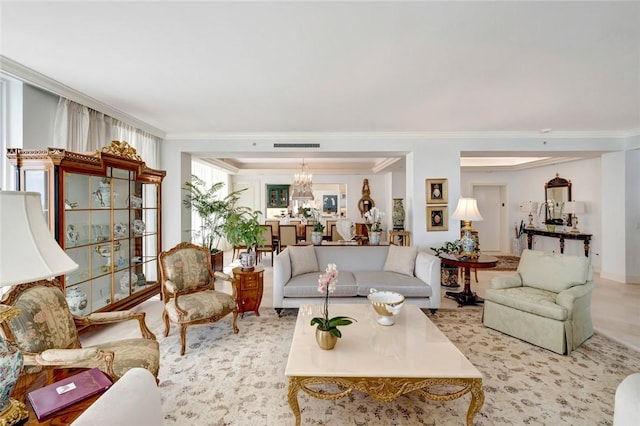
<point x="296" y="145"/>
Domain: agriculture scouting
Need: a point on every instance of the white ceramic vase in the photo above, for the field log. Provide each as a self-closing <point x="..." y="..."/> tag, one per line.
<point x="374" y="238"/>
<point x="316" y="238"/>
<point x="77" y="301"/>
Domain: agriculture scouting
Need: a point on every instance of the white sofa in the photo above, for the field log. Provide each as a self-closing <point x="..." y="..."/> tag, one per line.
<point x="415" y="274"/>
<point x="547" y="303"/>
<point x="626" y="410"/>
<point x="133" y="400"/>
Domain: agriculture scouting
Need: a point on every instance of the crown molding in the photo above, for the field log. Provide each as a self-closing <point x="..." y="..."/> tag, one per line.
<point x="327" y="136"/>
<point x="34" y="78"/>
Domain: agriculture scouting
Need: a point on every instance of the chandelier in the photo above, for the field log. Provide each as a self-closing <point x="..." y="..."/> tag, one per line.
<point x="302" y="185"/>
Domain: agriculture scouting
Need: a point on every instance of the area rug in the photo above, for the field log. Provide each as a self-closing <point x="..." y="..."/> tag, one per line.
<point x="507" y="263"/>
<point x="227" y="379"/>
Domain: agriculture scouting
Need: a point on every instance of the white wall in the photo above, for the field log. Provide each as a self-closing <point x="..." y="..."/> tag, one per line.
<point x="39" y="117"/>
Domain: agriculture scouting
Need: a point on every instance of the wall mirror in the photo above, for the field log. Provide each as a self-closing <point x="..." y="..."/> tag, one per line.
<point x="556" y="192"/>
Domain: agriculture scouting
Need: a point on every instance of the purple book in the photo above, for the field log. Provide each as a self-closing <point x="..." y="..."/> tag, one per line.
<point x="66" y="392"/>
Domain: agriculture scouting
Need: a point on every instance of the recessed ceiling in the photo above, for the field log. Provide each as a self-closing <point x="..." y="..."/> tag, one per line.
<point x="198" y="68"/>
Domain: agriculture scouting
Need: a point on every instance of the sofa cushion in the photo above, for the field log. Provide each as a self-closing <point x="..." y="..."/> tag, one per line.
<point x="552" y="272"/>
<point x="306" y="285"/>
<point x="529" y="299"/>
<point x="303" y="260"/>
<point x="401" y="259"/>
<point x="391" y="281"/>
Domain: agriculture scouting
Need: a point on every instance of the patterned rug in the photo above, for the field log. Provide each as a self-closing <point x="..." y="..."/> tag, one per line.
<point x="507" y="263"/>
<point x="227" y="379"/>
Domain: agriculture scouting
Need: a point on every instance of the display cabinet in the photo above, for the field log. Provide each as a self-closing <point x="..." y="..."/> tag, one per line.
<point x="104" y="211"/>
<point x="277" y="196"/>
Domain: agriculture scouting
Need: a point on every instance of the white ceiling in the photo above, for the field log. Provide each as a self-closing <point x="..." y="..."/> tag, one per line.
<point x="192" y="69"/>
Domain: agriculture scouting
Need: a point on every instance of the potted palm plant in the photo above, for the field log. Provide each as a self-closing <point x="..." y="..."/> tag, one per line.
<point x="242" y="228"/>
<point x="213" y="210"/>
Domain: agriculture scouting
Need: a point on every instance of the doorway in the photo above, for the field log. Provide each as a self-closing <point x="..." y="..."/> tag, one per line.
<point x="492" y="230"/>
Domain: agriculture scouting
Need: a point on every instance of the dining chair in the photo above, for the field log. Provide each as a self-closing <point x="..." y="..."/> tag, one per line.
<point x="275" y="228"/>
<point x="267" y="246"/>
<point x="288" y="236"/>
<point x="329" y="228"/>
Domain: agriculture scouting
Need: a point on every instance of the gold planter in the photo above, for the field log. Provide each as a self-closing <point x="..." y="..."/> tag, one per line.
<point x="325" y="339"/>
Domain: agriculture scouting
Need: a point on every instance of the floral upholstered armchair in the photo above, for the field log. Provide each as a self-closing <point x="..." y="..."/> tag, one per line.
<point x="47" y="335"/>
<point x="188" y="290"/>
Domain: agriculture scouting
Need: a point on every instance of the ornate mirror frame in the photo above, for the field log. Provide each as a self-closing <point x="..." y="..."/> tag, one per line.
<point x="553" y="207"/>
<point x="365" y="203"/>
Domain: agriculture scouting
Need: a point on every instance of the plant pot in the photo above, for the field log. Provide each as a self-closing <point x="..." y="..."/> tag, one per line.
<point x="217" y="260"/>
<point x="316" y="238"/>
<point x="248" y="260"/>
<point x="449" y="276"/>
<point x="325" y="339"/>
<point x="374" y="238"/>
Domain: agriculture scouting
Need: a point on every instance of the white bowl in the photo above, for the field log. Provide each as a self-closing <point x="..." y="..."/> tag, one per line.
<point x="387" y="304"/>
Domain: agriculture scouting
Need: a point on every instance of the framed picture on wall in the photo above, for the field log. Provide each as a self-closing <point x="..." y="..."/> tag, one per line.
<point x="330" y="204"/>
<point x="437" y="191"/>
<point x="437" y="218"/>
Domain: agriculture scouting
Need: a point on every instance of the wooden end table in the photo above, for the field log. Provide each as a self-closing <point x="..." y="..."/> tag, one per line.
<point x="30" y="382"/>
<point x="249" y="287"/>
<point x="467" y="297"/>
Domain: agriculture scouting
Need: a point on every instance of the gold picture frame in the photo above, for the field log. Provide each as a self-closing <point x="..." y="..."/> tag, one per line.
<point x="437" y="192"/>
<point x="437" y="218"/>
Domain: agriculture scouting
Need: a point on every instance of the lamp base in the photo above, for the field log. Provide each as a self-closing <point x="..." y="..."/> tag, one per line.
<point x="14" y="414"/>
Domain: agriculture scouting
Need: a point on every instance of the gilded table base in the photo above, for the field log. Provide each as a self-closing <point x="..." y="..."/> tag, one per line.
<point x="15" y="413"/>
<point x="387" y="389"/>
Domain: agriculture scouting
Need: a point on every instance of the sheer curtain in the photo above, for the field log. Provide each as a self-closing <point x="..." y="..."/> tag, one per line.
<point x="79" y="128"/>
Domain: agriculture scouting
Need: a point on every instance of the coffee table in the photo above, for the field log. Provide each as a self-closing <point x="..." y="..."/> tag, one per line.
<point x="383" y="362"/>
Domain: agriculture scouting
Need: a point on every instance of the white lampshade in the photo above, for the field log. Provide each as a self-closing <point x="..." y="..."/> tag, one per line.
<point x="574" y="207"/>
<point x="28" y="251"/>
<point x="529" y="207"/>
<point x="467" y="210"/>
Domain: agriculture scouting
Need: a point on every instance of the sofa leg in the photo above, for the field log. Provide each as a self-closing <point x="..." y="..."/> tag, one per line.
<point x="433" y="311"/>
<point x="279" y="312"/>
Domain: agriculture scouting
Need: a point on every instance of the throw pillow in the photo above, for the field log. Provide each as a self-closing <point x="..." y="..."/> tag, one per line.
<point x="303" y="260"/>
<point x="401" y="259"/>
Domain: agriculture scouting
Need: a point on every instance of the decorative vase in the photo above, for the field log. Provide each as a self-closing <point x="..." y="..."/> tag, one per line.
<point x="397" y="214"/>
<point x="468" y="243"/>
<point x="77" y="301"/>
<point x="316" y="238"/>
<point x="374" y="237"/>
<point x="449" y="276"/>
<point x="325" y="339"/>
<point x="247" y="260"/>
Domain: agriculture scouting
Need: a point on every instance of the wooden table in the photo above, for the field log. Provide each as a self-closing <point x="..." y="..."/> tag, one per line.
<point x="30" y="382"/>
<point x="467" y="297"/>
<point x="249" y="287"/>
<point x="385" y="362"/>
<point x="559" y="235"/>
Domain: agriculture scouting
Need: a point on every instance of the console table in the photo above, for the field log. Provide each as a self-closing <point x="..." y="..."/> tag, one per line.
<point x="561" y="236"/>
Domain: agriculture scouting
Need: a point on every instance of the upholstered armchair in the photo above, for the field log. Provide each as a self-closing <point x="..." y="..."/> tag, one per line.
<point x="46" y="332"/>
<point x="547" y="302"/>
<point x="188" y="290"/>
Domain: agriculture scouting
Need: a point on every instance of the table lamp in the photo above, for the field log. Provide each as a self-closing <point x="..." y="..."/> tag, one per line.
<point x="529" y="207"/>
<point x="573" y="208"/>
<point x="467" y="211"/>
<point x="28" y="252"/>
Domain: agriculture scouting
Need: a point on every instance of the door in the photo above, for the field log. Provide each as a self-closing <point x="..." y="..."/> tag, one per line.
<point x="491" y="206"/>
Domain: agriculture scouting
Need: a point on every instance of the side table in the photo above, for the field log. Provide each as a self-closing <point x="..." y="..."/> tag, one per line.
<point x="30" y="382"/>
<point x="467" y="297"/>
<point x="249" y="287"/>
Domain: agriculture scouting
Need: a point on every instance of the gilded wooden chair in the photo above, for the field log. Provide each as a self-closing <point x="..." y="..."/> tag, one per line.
<point x="188" y="290"/>
<point x="267" y="246"/>
<point x="46" y="332"/>
<point x="288" y="236"/>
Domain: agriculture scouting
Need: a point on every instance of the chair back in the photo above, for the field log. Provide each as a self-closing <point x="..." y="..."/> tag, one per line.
<point x="329" y="227"/>
<point x="45" y="321"/>
<point x="275" y="226"/>
<point x="335" y="236"/>
<point x="288" y="236"/>
<point x="308" y="231"/>
<point x="184" y="267"/>
<point x="267" y="235"/>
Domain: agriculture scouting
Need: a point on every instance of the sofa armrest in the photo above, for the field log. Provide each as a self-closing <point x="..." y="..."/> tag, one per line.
<point x="281" y="275"/>
<point x="134" y="399"/>
<point x="506" y="282"/>
<point x="427" y="269"/>
<point x="575" y="298"/>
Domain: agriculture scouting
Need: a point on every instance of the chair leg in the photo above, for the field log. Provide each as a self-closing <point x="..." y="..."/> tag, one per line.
<point x="183" y="338"/>
<point x="235" y="321"/>
<point x="165" y="318"/>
